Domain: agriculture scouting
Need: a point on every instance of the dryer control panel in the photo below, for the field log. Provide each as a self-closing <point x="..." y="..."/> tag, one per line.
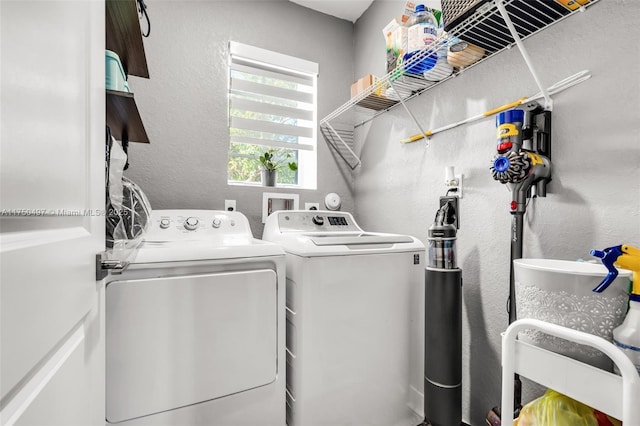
<point x="176" y="225"/>
<point x="315" y="221"/>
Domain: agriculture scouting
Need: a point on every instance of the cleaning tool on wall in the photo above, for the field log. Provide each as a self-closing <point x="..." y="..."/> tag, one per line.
<point x="627" y="335"/>
<point x="558" y="87"/>
<point x="523" y="164"/>
<point x="443" y="323"/>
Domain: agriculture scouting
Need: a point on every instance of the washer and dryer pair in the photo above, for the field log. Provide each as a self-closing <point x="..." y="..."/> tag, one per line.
<point x="195" y="326"/>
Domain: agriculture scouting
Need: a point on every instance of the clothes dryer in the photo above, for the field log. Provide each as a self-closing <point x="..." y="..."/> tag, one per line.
<point x="195" y="326"/>
<point x="354" y="321"/>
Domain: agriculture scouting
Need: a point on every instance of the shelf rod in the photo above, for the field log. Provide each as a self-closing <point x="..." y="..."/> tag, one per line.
<point x="413" y="117"/>
<point x="525" y="55"/>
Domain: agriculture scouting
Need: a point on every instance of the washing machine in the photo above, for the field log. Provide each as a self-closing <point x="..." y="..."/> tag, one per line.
<point x="195" y="326"/>
<point x="354" y="321"/>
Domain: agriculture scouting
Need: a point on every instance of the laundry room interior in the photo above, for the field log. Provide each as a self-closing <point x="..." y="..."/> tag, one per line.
<point x="527" y="151"/>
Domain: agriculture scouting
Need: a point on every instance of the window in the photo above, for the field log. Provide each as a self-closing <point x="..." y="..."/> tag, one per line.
<point x="272" y="106"/>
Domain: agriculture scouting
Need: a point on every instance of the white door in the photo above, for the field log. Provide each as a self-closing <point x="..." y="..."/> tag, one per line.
<point x="51" y="227"/>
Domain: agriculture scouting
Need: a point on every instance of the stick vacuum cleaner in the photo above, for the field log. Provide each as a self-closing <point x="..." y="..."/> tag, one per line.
<point x="443" y="324"/>
<point x="523" y="164"/>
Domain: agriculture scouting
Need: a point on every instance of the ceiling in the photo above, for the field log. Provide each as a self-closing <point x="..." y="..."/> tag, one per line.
<point x="349" y="10"/>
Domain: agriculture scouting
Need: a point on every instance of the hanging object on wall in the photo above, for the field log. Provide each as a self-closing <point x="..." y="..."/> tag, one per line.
<point x="142" y="11"/>
<point x="523" y="154"/>
<point x="332" y="201"/>
<point x="523" y="163"/>
<point x="552" y="90"/>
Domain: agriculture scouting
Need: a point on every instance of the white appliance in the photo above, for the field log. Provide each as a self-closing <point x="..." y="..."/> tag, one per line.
<point x="195" y="326"/>
<point x="353" y="320"/>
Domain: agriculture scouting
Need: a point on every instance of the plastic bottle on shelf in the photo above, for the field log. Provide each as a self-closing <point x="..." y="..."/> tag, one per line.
<point x="627" y="335"/>
<point x="422" y="33"/>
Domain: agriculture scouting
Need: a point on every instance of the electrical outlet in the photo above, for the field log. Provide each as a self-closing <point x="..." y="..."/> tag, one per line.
<point x="312" y="206"/>
<point x="455" y="202"/>
<point x="230" y="205"/>
<point x="454" y="187"/>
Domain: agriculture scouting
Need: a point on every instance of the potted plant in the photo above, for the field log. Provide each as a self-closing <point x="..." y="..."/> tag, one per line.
<point x="270" y="162"/>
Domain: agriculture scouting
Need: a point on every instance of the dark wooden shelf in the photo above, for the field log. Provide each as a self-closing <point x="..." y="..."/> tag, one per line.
<point x="123" y="117"/>
<point x="124" y="36"/>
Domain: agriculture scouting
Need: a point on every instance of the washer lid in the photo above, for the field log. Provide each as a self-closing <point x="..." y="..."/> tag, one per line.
<point x="364" y="238"/>
<point x="346" y="245"/>
<point x="328" y="233"/>
<point x="180" y="251"/>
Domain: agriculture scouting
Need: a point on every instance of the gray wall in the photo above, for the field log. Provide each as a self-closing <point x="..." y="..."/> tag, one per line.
<point x="184" y="103"/>
<point x="593" y="201"/>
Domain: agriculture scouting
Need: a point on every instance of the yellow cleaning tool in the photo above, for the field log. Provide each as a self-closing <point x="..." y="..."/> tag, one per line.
<point x="561" y="85"/>
<point x="430" y="133"/>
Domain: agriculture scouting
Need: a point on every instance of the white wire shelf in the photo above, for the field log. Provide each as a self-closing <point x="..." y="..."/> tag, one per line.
<point x="477" y="38"/>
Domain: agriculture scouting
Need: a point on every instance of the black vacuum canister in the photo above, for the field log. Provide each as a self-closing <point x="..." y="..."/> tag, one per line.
<point x="443" y="347"/>
<point x="443" y="325"/>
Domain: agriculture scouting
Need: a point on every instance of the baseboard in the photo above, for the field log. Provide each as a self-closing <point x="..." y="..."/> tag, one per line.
<point x="416" y="401"/>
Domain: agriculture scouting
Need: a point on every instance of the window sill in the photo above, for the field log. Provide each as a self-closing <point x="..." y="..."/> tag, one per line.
<point x="259" y="185"/>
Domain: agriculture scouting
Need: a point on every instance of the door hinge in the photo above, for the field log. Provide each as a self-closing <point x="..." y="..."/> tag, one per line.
<point x="104" y="266"/>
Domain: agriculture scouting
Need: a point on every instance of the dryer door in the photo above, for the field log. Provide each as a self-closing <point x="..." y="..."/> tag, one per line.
<point x="177" y="341"/>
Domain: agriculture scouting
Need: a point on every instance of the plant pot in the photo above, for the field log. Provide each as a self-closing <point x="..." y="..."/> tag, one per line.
<point x="268" y="177"/>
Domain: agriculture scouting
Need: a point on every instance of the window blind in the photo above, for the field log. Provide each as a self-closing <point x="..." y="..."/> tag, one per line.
<point x="271" y="99"/>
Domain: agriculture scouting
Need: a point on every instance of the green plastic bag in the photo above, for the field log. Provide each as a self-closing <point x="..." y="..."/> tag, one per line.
<point x="555" y="409"/>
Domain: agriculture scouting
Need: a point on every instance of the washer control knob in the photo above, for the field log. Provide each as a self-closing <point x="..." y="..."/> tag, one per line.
<point x="318" y="220"/>
<point x="165" y="222"/>
<point x="191" y="223"/>
<point x="216" y="222"/>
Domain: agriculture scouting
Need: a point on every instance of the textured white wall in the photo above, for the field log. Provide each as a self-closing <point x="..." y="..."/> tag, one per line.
<point x="592" y="202"/>
<point x="184" y="103"/>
